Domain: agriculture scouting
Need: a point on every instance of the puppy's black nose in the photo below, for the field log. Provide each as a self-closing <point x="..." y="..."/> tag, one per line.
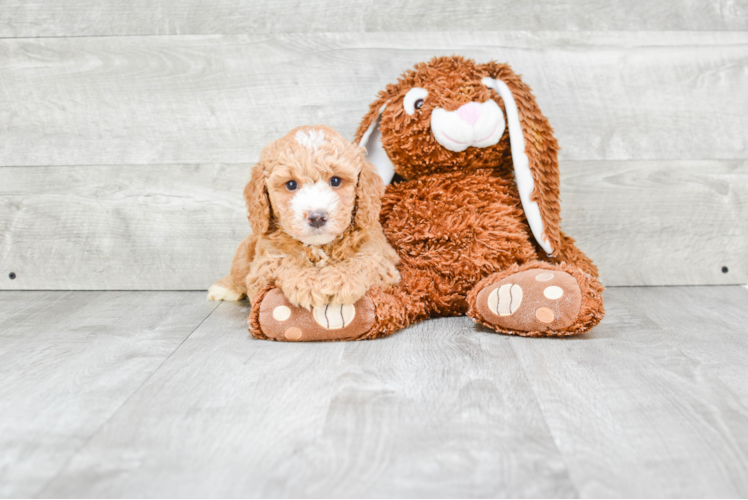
<point x="317" y="218"/>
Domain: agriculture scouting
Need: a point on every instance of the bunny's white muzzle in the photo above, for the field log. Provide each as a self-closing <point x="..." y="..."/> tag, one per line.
<point x="476" y="124"/>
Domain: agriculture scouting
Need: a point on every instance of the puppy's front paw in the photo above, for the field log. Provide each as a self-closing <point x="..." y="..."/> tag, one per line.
<point x="305" y="293"/>
<point x="341" y="288"/>
<point x="349" y="293"/>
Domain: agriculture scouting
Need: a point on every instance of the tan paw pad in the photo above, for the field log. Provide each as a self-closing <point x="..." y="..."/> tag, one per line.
<point x="505" y="300"/>
<point x="334" y="316"/>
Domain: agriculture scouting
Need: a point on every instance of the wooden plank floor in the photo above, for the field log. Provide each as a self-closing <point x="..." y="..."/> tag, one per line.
<point x="131" y="394"/>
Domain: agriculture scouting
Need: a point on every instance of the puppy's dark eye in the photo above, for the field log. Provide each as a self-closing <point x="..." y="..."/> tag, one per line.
<point x="418" y="104"/>
<point x="336" y="181"/>
<point x="291" y="185"/>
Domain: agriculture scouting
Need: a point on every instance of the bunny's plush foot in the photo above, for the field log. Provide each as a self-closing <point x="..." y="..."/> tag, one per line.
<point x="538" y="299"/>
<point x="274" y="318"/>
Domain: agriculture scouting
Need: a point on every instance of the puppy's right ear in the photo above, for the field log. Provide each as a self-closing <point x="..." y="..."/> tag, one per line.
<point x="369" y="136"/>
<point x="258" y="204"/>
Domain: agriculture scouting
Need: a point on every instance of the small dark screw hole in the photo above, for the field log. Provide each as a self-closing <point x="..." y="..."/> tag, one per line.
<point x="12" y="276"/>
<point x="724" y="269"/>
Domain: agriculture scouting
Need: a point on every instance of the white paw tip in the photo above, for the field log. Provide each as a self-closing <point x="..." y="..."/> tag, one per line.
<point x="505" y="300"/>
<point x="334" y="316"/>
<point x="281" y="313"/>
<point x="217" y="292"/>
<point x="553" y="292"/>
<point x="544" y="277"/>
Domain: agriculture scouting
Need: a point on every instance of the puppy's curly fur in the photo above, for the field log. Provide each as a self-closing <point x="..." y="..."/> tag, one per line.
<point x="336" y="263"/>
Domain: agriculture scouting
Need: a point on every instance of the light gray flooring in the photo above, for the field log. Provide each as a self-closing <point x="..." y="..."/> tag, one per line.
<point x="164" y="394"/>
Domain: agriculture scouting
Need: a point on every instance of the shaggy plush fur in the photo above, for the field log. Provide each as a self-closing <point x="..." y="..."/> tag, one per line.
<point x="456" y="220"/>
<point x="341" y="270"/>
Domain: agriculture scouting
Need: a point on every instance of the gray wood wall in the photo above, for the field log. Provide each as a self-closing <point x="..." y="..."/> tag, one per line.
<point x="128" y="129"/>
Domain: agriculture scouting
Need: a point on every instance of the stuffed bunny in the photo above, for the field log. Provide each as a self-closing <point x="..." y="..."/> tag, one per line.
<point x="476" y="220"/>
<point x="473" y="208"/>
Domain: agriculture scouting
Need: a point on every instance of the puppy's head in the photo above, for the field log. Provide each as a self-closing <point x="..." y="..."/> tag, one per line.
<point x="313" y="184"/>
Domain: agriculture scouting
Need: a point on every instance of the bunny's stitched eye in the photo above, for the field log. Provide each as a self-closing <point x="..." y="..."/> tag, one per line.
<point x="291" y="185"/>
<point x="414" y="99"/>
<point x="336" y="181"/>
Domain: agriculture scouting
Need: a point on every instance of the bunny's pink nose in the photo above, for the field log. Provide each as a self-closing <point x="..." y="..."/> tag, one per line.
<point x="470" y="112"/>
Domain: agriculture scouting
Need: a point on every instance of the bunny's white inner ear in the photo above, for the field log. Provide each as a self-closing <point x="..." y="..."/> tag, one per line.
<point x="522" y="173"/>
<point x="375" y="154"/>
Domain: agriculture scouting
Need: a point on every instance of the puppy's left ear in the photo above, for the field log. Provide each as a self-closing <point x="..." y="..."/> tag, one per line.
<point x="369" y="192"/>
<point x="534" y="154"/>
<point x="258" y="205"/>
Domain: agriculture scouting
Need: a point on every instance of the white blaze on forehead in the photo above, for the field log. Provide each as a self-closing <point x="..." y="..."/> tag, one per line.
<point x="310" y="139"/>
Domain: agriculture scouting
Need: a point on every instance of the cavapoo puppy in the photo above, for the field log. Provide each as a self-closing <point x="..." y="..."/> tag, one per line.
<point x="313" y="203"/>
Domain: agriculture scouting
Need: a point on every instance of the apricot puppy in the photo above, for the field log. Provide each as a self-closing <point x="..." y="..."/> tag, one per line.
<point x="313" y="203"/>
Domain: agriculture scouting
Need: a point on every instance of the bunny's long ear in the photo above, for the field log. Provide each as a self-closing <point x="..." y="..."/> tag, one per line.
<point x="534" y="157"/>
<point x="369" y="136"/>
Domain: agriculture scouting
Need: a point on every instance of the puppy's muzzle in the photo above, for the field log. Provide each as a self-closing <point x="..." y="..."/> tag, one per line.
<point x="317" y="218"/>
